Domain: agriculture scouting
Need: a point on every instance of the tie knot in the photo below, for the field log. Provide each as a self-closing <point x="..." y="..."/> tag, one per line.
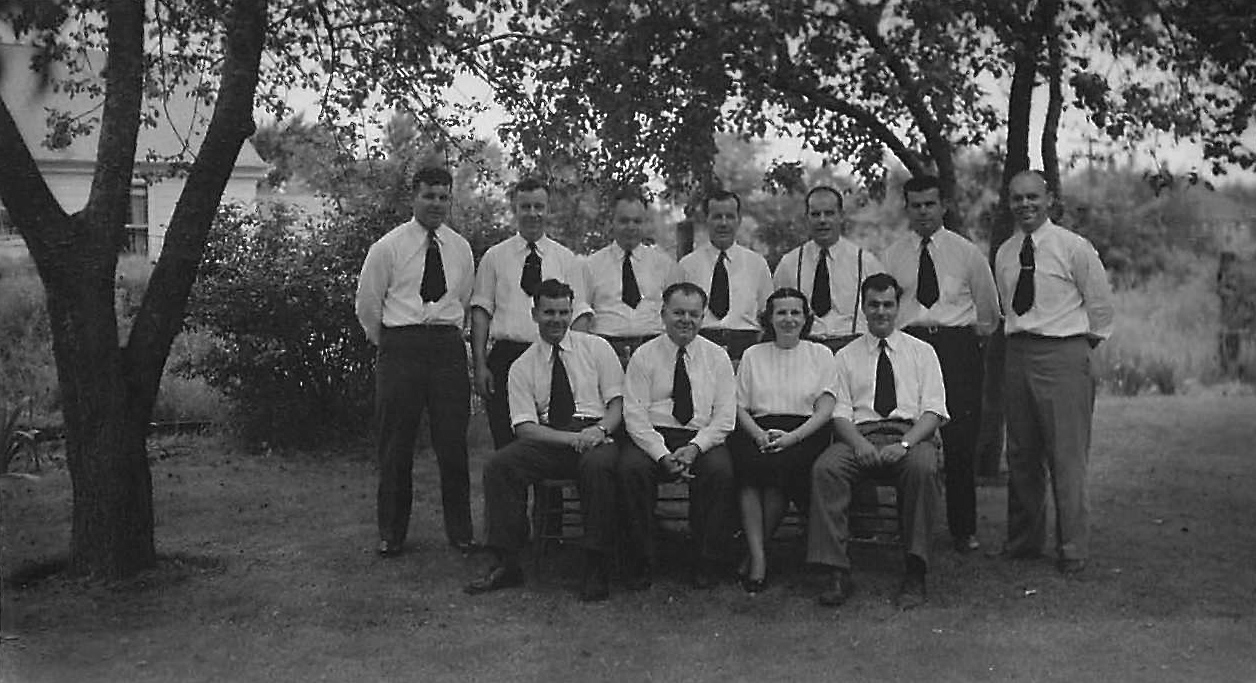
<point x="723" y="255"/>
<point x="532" y="247"/>
<point x="924" y="241"/>
<point x="883" y="344"/>
<point x="627" y="254"/>
<point x="824" y="254"/>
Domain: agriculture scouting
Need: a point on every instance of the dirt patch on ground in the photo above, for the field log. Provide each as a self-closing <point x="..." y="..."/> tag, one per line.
<point x="269" y="575"/>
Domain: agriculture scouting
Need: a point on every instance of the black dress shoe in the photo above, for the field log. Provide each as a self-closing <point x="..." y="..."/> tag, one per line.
<point x="754" y="586"/>
<point x="595" y="586"/>
<point x="466" y="547"/>
<point x="839" y="591"/>
<point x="911" y="592"/>
<point x="499" y="577"/>
<point x="388" y="549"/>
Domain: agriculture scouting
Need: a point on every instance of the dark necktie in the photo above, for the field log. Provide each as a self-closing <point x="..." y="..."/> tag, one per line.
<point x="562" y="405"/>
<point x="531" y="278"/>
<point x="1023" y="298"/>
<point x="885" y="399"/>
<point x="433" y="286"/>
<point x="821" y="297"/>
<point x="719" y="286"/>
<point x="926" y="277"/>
<point x="631" y="292"/>
<point x="682" y="392"/>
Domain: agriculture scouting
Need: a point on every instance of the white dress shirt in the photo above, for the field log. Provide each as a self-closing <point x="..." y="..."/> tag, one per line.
<point x="844" y="279"/>
<point x="648" y="393"/>
<point x="593" y="370"/>
<point x="388" y="287"/>
<point x="603" y="278"/>
<point x="966" y="293"/>
<point x="497" y="289"/>
<point x="917" y="379"/>
<point x="776" y="381"/>
<point x="1071" y="291"/>
<point x="749" y="284"/>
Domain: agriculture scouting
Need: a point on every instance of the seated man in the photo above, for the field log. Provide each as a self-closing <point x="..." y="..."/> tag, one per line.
<point x="680" y="403"/>
<point x="566" y="397"/>
<point x="890" y="403"/>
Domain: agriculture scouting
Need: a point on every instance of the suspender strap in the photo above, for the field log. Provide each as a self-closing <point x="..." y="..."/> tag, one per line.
<point x="854" y="316"/>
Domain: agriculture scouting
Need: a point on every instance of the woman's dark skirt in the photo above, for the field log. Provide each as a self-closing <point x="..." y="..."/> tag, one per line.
<point x="789" y="469"/>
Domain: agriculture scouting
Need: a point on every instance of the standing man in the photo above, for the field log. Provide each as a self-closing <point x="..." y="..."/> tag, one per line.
<point x="890" y="402"/>
<point x="501" y="303"/>
<point x="1058" y="304"/>
<point x="829" y="270"/>
<point x="411" y="299"/>
<point x="625" y="279"/>
<point x="738" y="278"/>
<point x="566" y="398"/>
<point x="949" y="301"/>
<point x="680" y="403"/>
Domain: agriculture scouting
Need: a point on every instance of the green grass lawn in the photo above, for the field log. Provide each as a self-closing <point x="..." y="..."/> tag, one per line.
<point x="273" y="579"/>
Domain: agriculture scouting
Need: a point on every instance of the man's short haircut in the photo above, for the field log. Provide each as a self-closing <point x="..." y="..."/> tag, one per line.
<point x="528" y="184"/>
<point x="765" y="318"/>
<point x="922" y="183"/>
<point x="1034" y="172"/>
<point x="686" y="288"/>
<point x="430" y="175"/>
<point x="628" y="194"/>
<point x="806" y="202"/>
<point x="719" y="196"/>
<point x="552" y="289"/>
<point x="880" y="282"/>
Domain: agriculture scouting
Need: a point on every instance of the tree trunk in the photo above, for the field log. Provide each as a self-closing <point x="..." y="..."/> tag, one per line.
<point x="107" y="391"/>
<point x="990" y="441"/>
<point x="1051" y="124"/>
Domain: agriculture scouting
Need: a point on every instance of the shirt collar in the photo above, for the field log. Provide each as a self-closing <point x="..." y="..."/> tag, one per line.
<point x="892" y="341"/>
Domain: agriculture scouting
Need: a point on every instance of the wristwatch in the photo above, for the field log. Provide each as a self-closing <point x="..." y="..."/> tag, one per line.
<point x="906" y="446"/>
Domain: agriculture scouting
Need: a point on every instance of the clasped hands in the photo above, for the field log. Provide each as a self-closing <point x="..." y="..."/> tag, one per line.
<point x="868" y="455"/>
<point x="774" y="440"/>
<point x="679" y="463"/>
<point x="588" y="438"/>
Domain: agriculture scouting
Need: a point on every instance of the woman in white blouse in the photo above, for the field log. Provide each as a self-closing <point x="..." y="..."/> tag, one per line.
<point x="784" y="411"/>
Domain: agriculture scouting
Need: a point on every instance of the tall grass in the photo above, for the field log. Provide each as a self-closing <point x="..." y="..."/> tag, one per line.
<point x="27" y="368"/>
<point x="1166" y="335"/>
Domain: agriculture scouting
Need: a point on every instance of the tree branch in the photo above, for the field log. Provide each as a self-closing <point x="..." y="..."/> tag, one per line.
<point x="165" y="301"/>
<point x="24" y="192"/>
<point x="120" y="125"/>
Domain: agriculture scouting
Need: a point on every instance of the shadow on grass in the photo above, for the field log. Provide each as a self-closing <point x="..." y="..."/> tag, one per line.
<point x="171" y="570"/>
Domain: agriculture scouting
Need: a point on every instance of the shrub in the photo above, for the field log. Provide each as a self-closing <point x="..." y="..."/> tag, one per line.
<point x="276" y="294"/>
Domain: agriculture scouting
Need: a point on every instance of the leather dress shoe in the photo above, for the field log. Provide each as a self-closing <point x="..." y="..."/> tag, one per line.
<point x="911" y="592"/>
<point x="499" y="577"/>
<point x="754" y="586"/>
<point x="388" y="549"/>
<point x="966" y="544"/>
<point x="466" y="547"/>
<point x="839" y="591"/>
<point x="595" y="586"/>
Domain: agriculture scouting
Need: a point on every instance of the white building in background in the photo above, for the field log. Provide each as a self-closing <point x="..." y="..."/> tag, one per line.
<point x="68" y="170"/>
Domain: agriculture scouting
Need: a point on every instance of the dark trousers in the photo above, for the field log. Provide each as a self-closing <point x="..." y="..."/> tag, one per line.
<point x="712" y="497"/>
<point x="500" y="358"/>
<point x="834" y="476"/>
<point x="962" y="373"/>
<point x="511" y="470"/>
<point x="1049" y="397"/>
<point x="417" y="369"/>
